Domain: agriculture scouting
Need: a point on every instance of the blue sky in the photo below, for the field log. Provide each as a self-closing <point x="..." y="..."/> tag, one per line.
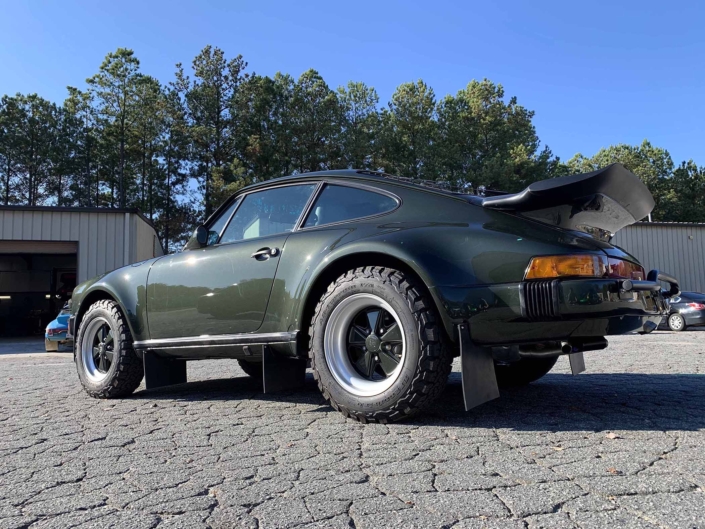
<point x="596" y="73"/>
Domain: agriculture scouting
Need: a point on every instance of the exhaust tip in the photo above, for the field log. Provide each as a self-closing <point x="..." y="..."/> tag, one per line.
<point x="566" y="348"/>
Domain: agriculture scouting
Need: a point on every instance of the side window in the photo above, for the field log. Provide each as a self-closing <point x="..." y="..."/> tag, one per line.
<point x="340" y="203"/>
<point x="268" y="212"/>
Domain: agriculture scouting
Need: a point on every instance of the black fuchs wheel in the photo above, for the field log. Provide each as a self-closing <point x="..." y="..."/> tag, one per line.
<point x="107" y="364"/>
<point x="253" y="369"/>
<point x="377" y="349"/>
<point x="676" y="322"/>
<point x="524" y="371"/>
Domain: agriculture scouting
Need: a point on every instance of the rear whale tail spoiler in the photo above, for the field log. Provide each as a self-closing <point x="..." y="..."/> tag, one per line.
<point x="599" y="203"/>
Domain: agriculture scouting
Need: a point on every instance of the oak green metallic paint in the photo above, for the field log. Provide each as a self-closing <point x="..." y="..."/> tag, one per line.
<point x="126" y="285"/>
<point x="219" y="289"/>
<point x="472" y="259"/>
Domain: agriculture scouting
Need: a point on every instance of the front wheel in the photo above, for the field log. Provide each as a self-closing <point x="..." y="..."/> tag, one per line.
<point x="377" y="350"/>
<point x="523" y="372"/>
<point x="676" y="322"/>
<point x="107" y="364"/>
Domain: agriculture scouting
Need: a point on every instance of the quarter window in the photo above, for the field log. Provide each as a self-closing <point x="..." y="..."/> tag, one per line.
<point x="215" y="228"/>
<point x="219" y="224"/>
<point x="341" y="203"/>
<point x="268" y="212"/>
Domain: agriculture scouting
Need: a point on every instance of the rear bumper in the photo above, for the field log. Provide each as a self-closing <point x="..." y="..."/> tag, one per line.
<point x="532" y="311"/>
<point x="56" y="337"/>
<point x="694" y="317"/>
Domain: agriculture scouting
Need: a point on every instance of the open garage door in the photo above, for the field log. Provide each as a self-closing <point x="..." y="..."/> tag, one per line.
<point x="36" y="278"/>
<point x="56" y="247"/>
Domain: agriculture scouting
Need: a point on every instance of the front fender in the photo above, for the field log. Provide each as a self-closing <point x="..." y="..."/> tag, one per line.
<point x="127" y="286"/>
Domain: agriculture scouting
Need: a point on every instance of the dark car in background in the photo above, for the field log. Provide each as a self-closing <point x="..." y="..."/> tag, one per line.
<point x="685" y="310"/>
<point x="378" y="281"/>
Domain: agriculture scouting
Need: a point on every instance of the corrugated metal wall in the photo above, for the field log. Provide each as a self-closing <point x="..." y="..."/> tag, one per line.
<point x="678" y="249"/>
<point x="106" y="239"/>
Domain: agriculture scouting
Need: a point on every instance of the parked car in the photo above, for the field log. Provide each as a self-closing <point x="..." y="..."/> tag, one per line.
<point x="685" y="310"/>
<point x="378" y="281"/>
<point x="55" y="333"/>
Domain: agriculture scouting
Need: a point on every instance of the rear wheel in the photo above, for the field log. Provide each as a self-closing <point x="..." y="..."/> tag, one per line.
<point x="105" y="359"/>
<point x="676" y="322"/>
<point x="523" y="372"/>
<point x="377" y="350"/>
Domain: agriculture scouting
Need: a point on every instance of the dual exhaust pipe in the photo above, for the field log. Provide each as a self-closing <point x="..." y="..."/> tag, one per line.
<point x="562" y="348"/>
<point x="514" y="353"/>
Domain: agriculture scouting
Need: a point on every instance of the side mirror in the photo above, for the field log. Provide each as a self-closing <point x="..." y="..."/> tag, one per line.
<point x="202" y="235"/>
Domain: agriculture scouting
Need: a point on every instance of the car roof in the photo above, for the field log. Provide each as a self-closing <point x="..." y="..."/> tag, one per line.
<point x="371" y="177"/>
<point x="697" y="295"/>
<point x="434" y="186"/>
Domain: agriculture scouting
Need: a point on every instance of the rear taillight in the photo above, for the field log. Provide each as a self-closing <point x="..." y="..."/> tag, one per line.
<point x="697" y="306"/>
<point x="624" y="269"/>
<point x="549" y="266"/>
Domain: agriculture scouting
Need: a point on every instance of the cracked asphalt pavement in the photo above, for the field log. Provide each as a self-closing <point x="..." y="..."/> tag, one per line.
<point x="621" y="445"/>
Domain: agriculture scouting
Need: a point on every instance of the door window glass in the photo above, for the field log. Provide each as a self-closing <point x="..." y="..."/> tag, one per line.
<point x="340" y="203"/>
<point x="268" y="212"/>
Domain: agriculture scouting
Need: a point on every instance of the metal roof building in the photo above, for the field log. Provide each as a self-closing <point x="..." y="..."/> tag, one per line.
<point x="45" y="251"/>
<point x="674" y="247"/>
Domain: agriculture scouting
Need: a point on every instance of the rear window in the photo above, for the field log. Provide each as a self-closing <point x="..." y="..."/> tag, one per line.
<point x="341" y="203"/>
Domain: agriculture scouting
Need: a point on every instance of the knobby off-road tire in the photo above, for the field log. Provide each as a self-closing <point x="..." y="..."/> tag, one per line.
<point x="252" y="369"/>
<point x="426" y="361"/>
<point x="524" y="371"/>
<point x="125" y="372"/>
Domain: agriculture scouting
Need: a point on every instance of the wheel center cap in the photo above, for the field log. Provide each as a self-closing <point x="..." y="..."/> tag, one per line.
<point x="373" y="343"/>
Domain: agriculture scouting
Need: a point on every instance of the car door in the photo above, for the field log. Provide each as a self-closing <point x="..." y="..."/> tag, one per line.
<point x="224" y="287"/>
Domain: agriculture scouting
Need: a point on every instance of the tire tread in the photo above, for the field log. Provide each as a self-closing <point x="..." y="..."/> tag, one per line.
<point x="130" y="369"/>
<point x="434" y="362"/>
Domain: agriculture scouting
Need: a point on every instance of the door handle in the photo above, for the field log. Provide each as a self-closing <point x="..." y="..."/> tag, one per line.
<point x="265" y="253"/>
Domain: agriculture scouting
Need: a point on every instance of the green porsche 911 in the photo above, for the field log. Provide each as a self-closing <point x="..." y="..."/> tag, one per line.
<point x="377" y="282"/>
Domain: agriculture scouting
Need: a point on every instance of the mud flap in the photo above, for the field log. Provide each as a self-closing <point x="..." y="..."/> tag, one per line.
<point x="477" y="366"/>
<point x="577" y="363"/>
<point x="281" y="373"/>
<point x="160" y="371"/>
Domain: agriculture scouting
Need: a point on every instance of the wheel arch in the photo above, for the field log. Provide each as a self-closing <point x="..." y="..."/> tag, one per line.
<point x="338" y="267"/>
<point x="98" y="294"/>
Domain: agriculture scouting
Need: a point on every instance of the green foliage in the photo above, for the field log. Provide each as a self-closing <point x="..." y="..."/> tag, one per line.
<point x="677" y="193"/>
<point x="176" y="151"/>
<point x="408" y="131"/>
<point x="360" y="125"/>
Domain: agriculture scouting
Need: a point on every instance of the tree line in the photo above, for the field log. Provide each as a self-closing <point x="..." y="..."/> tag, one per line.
<point x="175" y="150"/>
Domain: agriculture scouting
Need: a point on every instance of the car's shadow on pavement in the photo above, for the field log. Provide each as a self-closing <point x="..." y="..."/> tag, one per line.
<point x="558" y="402"/>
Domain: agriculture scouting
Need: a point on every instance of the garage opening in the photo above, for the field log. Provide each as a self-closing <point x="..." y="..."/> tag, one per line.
<point x="36" y="279"/>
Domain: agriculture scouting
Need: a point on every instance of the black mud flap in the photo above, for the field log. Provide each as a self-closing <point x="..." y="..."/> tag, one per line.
<point x="281" y="373"/>
<point x="577" y="363"/>
<point x="477" y="366"/>
<point x="160" y="371"/>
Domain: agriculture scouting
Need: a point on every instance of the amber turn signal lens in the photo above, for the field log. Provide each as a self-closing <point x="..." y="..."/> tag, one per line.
<point x="566" y="266"/>
<point x="583" y="266"/>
